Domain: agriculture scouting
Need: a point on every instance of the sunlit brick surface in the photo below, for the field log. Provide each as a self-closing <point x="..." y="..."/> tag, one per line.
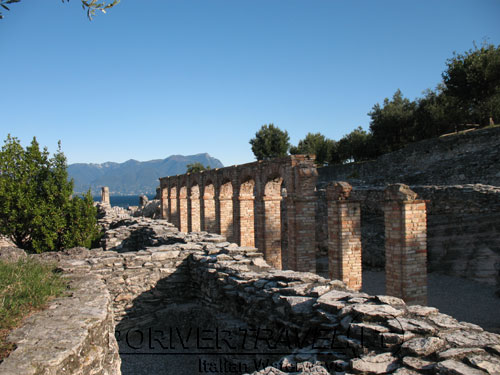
<point x="245" y="204"/>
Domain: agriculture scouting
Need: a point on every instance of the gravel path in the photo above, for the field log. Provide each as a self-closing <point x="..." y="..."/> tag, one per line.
<point x="463" y="299"/>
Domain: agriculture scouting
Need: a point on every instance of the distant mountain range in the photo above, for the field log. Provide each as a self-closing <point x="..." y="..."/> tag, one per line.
<point x="132" y="177"/>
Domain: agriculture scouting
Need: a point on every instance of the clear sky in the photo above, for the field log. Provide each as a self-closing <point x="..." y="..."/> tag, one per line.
<point x="154" y="78"/>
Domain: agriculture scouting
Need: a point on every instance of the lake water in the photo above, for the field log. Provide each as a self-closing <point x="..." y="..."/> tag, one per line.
<point x="123" y="200"/>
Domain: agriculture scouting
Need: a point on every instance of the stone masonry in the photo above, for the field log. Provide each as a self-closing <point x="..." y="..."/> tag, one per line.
<point x="460" y="177"/>
<point x="105" y="195"/>
<point x="342" y="331"/>
<point x="74" y="335"/>
<point x="271" y="205"/>
<point x="244" y="204"/>
<point x="344" y="235"/>
<point x="406" y="245"/>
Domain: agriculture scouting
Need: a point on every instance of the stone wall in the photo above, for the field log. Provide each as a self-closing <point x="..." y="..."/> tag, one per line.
<point x="339" y="329"/>
<point x="463" y="222"/>
<point x="74" y="335"/>
<point x="458" y="175"/>
<point x="468" y="158"/>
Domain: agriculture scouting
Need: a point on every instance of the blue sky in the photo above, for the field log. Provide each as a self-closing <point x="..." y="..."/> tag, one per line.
<point x="154" y="78"/>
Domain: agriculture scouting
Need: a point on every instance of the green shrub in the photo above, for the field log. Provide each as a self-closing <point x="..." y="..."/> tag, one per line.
<point x="37" y="210"/>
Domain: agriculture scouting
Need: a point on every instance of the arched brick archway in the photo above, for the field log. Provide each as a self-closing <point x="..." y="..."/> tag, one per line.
<point x="283" y="227"/>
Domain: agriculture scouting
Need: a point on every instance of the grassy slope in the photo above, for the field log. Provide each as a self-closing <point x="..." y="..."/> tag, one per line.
<point x="25" y="287"/>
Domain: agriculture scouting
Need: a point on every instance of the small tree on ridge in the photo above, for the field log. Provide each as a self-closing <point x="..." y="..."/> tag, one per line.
<point x="270" y="142"/>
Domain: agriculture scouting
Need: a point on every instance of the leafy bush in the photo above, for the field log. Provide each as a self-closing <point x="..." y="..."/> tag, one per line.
<point x="37" y="210"/>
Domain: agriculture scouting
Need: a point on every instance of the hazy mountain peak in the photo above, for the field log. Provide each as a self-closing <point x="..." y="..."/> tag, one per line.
<point x="133" y="177"/>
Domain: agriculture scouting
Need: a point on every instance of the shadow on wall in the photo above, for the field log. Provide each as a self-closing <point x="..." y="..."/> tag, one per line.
<point x="125" y="237"/>
<point x="171" y="330"/>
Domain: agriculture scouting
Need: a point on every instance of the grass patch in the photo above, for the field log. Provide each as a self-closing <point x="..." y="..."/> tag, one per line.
<point x="25" y="286"/>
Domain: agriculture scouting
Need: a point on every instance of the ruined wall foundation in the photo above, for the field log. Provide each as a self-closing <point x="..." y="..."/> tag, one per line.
<point x="341" y="330"/>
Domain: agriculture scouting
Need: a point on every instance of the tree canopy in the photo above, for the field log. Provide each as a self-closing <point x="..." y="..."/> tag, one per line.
<point x="90" y="6"/>
<point x="317" y="144"/>
<point x="473" y="80"/>
<point x="392" y="124"/>
<point x="270" y="142"/>
<point x="196" y="167"/>
<point x="37" y="211"/>
<point x="469" y="95"/>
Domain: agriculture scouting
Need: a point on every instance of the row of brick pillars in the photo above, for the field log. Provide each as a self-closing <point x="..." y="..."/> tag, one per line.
<point x="245" y="203"/>
<point x="405" y="241"/>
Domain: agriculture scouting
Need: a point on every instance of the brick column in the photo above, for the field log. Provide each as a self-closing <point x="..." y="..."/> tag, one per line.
<point x="259" y="222"/>
<point x="301" y="234"/>
<point x="272" y="230"/>
<point x="405" y="245"/>
<point x="209" y="211"/>
<point x="344" y="235"/>
<point x="105" y="195"/>
<point x="164" y="202"/>
<point x="173" y="215"/>
<point x="194" y="209"/>
<point x="301" y="214"/>
<point x="183" y="210"/>
<point x="226" y="217"/>
<point x="247" y="222"/>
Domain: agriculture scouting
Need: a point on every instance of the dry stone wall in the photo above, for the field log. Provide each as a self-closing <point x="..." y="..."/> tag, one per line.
<point x="303" y="322"/>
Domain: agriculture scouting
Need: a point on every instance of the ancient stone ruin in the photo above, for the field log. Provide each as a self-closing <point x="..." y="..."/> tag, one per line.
<point x="227" y="281"/>
<point x="105" y="195"/>
<point x="272" y="205"/>
<point x="189" y="303"/>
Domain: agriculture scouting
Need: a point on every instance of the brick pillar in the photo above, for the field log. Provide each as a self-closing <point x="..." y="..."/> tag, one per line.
<point x="209" y="211"/>
<point x="405" y="245"/>
<point x="344" y="235"/>
<point x="301" y="234"/>
<point x="247" y="222"/>
<point x="183" y="210"/>
<point x="105" y="195"/>
<point x="259" y="222"/>
<point x="226" y="217"/>
<point x="272" y="230"/>
<point x="164" y="202"/>
<point x="173" y="215"/>
<point x="301" y="215"/>
<point x="194" y="209"/>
